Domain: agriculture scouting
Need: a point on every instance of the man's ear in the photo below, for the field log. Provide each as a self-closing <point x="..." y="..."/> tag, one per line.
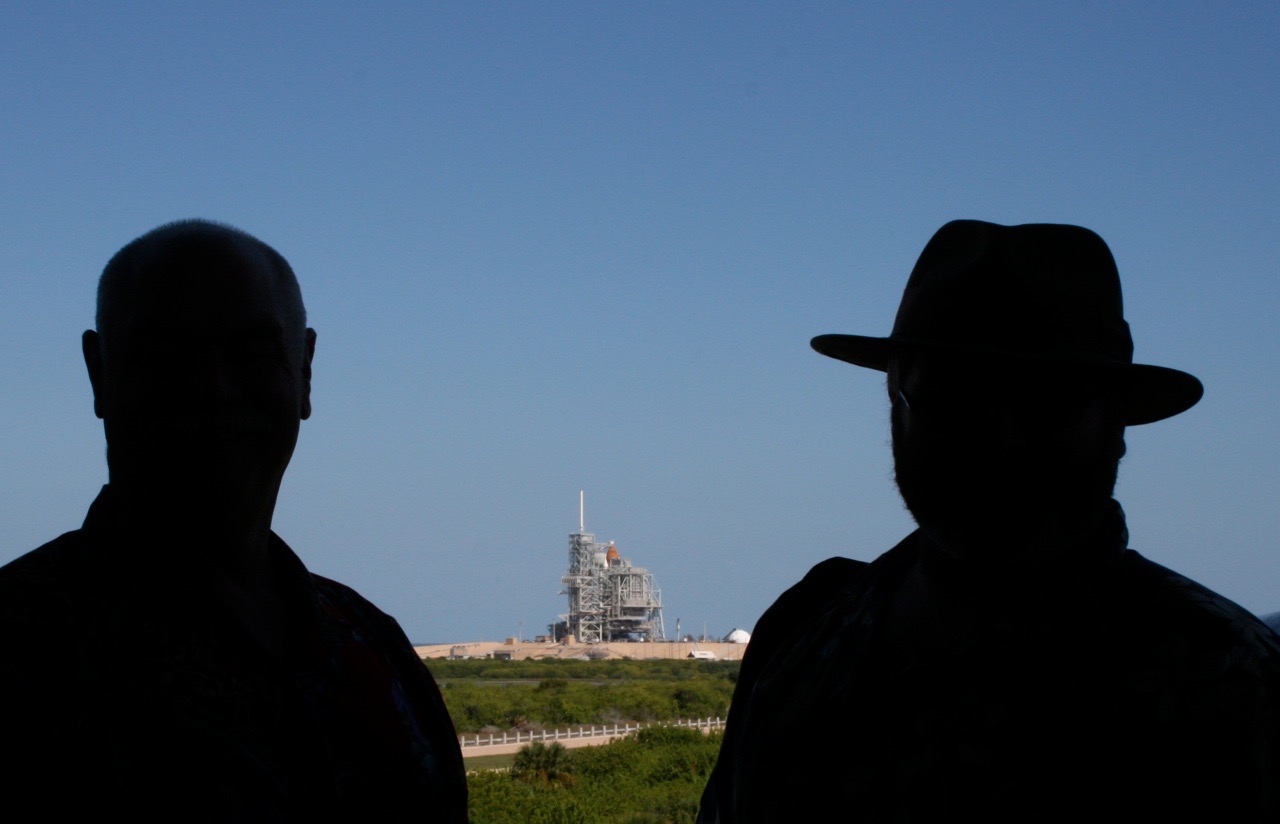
<point x="309" y="352"/>
<point x="90" y="345"/>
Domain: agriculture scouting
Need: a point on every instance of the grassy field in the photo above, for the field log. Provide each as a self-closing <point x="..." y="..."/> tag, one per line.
<point x="481" y="763"/>
<point x="484" y="695"/>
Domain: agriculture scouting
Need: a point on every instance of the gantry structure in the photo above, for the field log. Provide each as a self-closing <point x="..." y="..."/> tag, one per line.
<point x="609" y="599"/>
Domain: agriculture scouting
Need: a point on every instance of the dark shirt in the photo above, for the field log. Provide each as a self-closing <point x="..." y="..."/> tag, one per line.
<point x="1107" y="687"/>
<point x="127" y="688"/>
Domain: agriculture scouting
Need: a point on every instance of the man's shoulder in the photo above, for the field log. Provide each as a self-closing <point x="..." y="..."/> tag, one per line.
<point x="821" y="585"/>
<point x="1163" y="599"/>
<point x="354" y="614"/>
<point x="372" y="646"/>
<point x="833" y="572"/>
<point x="345" y="605"/>
<point x="60" y="568"/>
<point x="778" y="630"/>
<point x="800" y="606"/>
<point x="49" y="597"/>
<point x="57" y="555"/>
<point x="82" y="560"/>
<point x="830" y="582"/>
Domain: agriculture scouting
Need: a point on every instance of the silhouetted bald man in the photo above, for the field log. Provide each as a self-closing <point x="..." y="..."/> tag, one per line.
<point x="1011" y="660"/>
<point x="173" y="659"/>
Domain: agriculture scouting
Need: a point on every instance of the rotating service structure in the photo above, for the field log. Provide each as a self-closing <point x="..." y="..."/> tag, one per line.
<point x="609" y="599"/>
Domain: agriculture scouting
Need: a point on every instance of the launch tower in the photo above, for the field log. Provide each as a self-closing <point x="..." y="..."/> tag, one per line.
<point x="609" y="599"/>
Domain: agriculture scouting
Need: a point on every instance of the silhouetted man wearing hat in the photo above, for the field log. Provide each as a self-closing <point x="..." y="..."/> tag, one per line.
<point x="1011" y="659"/>
<point x="173" y="659"/>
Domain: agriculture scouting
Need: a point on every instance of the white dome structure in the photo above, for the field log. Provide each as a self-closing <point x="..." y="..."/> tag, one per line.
<point x="738" y="636"/>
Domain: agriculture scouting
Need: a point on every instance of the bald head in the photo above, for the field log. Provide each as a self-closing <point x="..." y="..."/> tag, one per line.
<point x="172" y="250"/>
<point x="201" y="373"/>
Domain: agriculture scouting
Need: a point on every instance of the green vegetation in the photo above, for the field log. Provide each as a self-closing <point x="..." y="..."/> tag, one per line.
<point x="485" y="694"/>
<point x="540" y="763"/>
<point x="477" y="763"/>
<point x="654" y="776"/>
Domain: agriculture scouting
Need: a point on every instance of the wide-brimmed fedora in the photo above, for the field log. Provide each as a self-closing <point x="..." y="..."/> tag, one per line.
<point x="1043" y="292"/>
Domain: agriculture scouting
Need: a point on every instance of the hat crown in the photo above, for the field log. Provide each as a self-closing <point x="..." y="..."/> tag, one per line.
<point x="1036" y="289"/>
<point x="1041" y="291"/>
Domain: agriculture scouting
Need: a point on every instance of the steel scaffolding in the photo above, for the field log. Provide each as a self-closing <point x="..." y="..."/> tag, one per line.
<point x="609" y="599"/>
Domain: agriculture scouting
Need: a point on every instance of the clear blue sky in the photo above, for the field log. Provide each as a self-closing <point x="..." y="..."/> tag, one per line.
<point x="551" y="247"/>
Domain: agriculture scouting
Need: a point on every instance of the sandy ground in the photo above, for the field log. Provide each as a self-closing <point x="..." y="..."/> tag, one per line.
<point x="507" y="749"/>
<point x="592" y="738"/>
<point x="718" y="650"/>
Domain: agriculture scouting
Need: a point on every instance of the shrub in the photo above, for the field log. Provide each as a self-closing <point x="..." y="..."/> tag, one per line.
<point x="654" y="776"/>
<point x="544" y="763"/>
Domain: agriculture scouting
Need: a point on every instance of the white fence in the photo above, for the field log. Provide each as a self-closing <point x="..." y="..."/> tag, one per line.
<point x="612" y="730"/>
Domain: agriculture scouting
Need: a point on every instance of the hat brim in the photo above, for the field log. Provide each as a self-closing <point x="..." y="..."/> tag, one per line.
<point x="1150" y="393"/>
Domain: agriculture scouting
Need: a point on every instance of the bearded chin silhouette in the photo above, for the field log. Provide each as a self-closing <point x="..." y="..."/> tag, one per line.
<point x="985" y="502"/>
